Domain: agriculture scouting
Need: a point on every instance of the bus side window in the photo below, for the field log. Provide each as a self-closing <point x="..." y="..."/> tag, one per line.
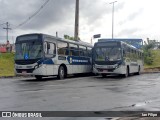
<point x="82" y="50"/>
<point x="49" y="49"/>
<point x="73" y="50"/>
<point x="124" y="53"/>
<point x="63" y="48"/>
<point x="124" y="50"/>
<point x="89" y="50"/>
<point x="45" y="48"/>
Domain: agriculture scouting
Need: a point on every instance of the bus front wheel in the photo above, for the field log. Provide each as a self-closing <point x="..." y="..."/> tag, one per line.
<point x="127" y="72"/>
<point x="61" y="73"/>
<point x="38" y="77"/>
<point x="103" y="75"/>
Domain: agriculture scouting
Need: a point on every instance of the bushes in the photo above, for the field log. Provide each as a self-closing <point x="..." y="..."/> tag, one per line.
<point x="148" y="59"/>
<point x="148" y="56"/>
<point x="6" y="64"/>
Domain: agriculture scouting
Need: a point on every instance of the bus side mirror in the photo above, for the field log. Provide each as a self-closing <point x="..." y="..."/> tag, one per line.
<point x="48" y="46"/>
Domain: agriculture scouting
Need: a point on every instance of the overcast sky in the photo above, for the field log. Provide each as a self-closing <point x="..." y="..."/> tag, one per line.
<point x="133" y="18"/>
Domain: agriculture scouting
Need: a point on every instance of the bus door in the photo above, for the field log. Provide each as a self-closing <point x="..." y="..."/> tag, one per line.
<point x="49" y="57"/>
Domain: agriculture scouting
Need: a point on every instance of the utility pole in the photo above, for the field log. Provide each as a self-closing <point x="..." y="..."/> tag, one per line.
<point x="7" y="28"/>
<point x="112" y="18"/>
<point x="76" y="29"/>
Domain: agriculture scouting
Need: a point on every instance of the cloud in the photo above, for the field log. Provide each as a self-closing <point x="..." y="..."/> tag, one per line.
<point x="119" y="6"/>
<point x="93" y="12"/>
<point x="132" y="16"/>
<point x="55" y="12"/>
<point x="128" y="32"/>
<point x="95" y="17"/>
<point x="135" y="14"/>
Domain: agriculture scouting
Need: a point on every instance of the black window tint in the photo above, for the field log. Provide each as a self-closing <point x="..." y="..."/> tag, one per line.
<point x="89" y="51"/>
<point x="74" y="51"/>
<point x="82" y="50"/>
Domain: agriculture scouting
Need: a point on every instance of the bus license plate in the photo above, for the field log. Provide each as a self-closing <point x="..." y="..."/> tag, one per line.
<point x="105" y="70"/>
<point x="24" y="72"/>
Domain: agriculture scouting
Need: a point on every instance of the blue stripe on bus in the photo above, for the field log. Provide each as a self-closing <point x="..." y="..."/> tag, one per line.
<point x="48" y="61"/>
<point x="74" y="60"/>
<point x="45" y="61"/>
<point x="40" y="61"/>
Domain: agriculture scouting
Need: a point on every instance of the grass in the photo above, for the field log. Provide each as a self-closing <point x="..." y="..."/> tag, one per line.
<point x="156" y="59"/>
<point x="6" y="64"/>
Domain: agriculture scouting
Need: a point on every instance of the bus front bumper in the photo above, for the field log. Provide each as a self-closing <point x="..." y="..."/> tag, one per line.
<point x="118" y="70"/>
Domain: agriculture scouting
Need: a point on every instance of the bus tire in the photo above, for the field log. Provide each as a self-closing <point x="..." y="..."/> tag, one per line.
<point x="38" y="77"/>
<point x="61" y="73"/>
<point x="104" y="75"/>
<point x="139" y="69"/>
<point x="127" y="72"/>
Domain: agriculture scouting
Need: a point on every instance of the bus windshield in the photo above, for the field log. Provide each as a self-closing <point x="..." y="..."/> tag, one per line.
<point x="108" y="53"/>
<point x="28" y="50"/>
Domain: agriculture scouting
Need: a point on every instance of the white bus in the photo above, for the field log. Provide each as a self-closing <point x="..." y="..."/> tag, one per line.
<point x="44" y="55"/>
<point x="116" y="57"/>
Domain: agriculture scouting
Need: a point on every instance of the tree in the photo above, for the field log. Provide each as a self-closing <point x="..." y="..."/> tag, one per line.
<point x="148" y="57"/>
<point x="69" y="37"/>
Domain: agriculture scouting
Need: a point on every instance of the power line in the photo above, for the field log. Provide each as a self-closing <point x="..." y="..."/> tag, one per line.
<point x="33" y="15"/>
<point x="2" y="24"/>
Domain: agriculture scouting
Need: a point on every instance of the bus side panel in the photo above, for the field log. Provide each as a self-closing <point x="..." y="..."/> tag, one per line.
<point x="41" y="70"/>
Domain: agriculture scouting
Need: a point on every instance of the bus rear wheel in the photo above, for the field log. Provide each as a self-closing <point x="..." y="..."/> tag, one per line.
<point x="139" y="69"/>
<point x="61" y="73"/>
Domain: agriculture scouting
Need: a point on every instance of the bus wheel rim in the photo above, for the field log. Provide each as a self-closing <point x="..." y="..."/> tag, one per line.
<point x="62" y="72"/>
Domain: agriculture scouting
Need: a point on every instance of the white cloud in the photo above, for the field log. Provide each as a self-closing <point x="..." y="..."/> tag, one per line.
<point x="133" y="18"/>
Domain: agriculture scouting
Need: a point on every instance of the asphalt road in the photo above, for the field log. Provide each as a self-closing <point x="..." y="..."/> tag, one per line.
<point x="88" y="93"/>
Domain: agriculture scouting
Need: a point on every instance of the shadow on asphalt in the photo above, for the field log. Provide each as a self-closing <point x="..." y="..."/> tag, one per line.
<point x="54" y="78"/>
<point x="113" y="77"/>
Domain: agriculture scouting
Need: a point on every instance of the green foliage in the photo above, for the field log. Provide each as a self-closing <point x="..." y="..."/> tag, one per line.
<point x="156" y="59"/>
<point x="149" y="46"/>
<point x="6" y="64"/>
<point x="69" y="37"/>
<point x="148" y="60"/>
<point x="148" y="56"/>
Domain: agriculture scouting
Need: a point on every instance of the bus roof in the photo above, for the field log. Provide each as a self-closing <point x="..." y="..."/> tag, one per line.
<point x="114" y="40"/>
<point x="137" y="43"/>
<point x="120" y="39"/>
<point x="79" y="42"/>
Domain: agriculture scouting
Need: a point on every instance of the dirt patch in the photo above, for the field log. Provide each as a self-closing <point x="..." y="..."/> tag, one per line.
<point x="148" y="70"/>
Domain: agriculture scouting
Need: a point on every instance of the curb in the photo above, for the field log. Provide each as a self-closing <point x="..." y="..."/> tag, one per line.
<point x="154" y="72"/>
<point x="7" y="76"/>
<point x="151" y="72"/>
<point x="13" y="76"/>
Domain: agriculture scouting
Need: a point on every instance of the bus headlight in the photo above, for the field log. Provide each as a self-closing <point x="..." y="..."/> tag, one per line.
<point x="117" y="66"/>
<point x="18" y="67"/>
<point x="94" y="66"/>
<point x="36" y="67"/>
